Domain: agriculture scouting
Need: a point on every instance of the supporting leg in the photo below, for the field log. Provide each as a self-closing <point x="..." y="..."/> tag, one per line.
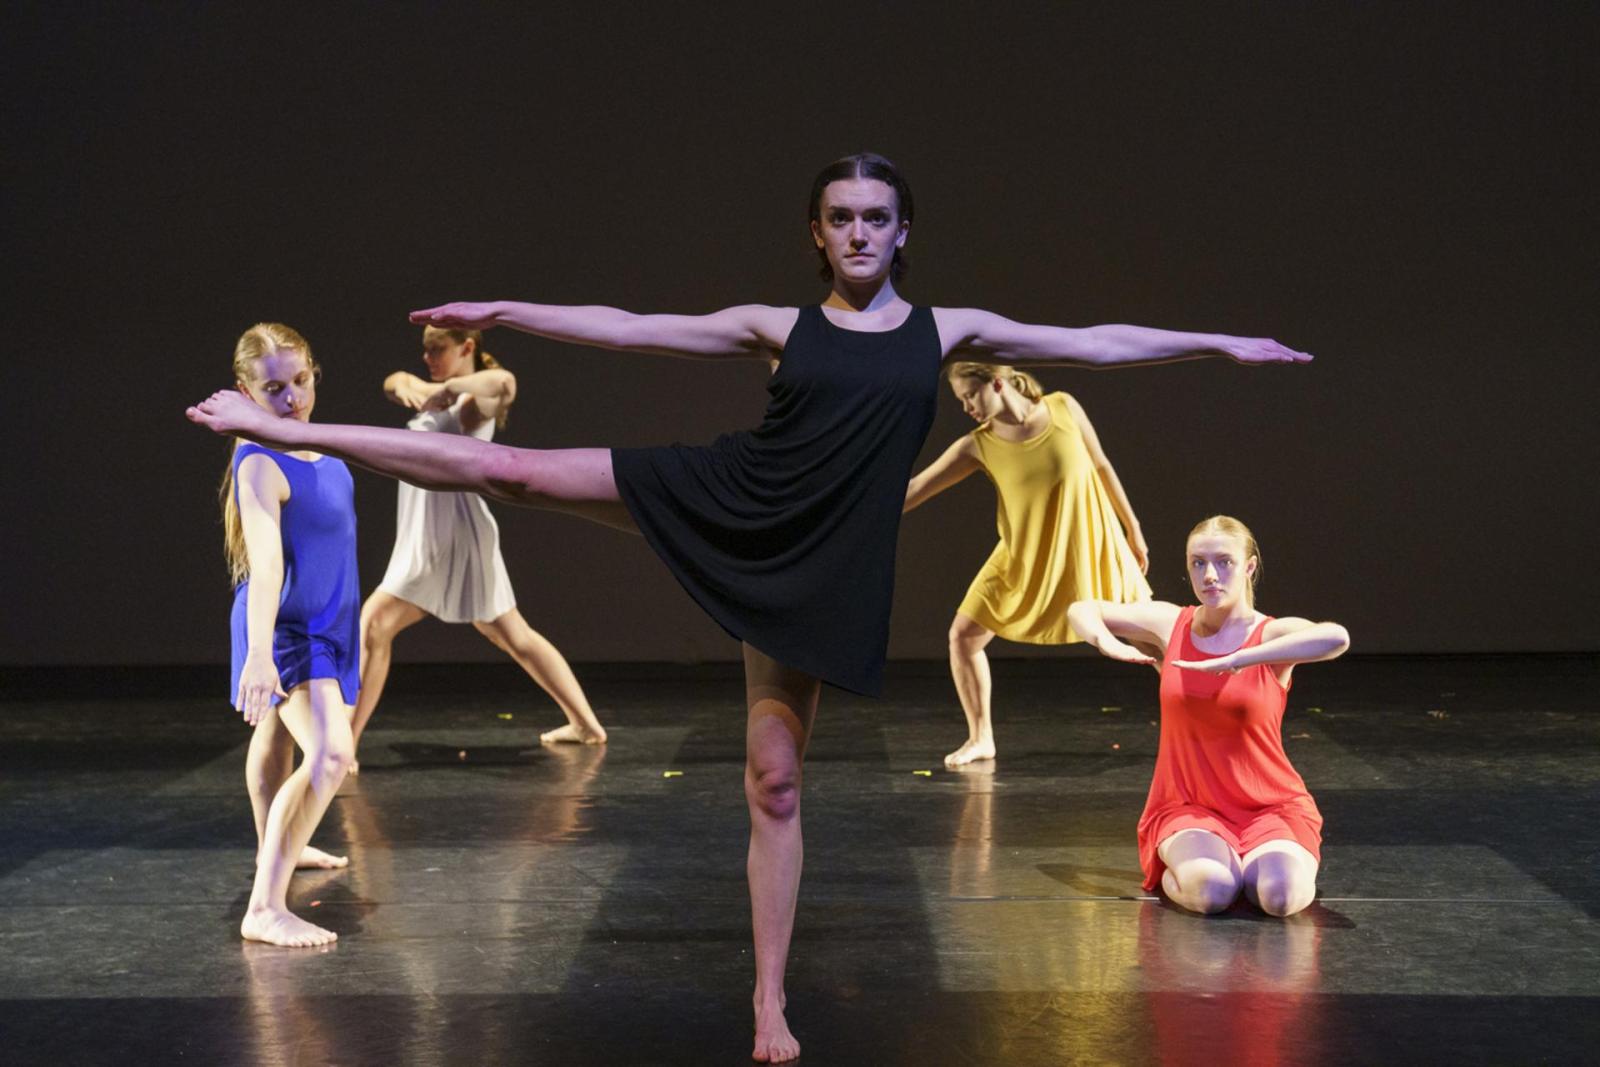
<point x="319" y="720"/>
<point x="782" y="706"/>
<point x="267" y="765"/>
<point x="969" y="667"/>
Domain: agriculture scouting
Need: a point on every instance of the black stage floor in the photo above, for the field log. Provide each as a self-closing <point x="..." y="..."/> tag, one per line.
<point x="578" y="906"/>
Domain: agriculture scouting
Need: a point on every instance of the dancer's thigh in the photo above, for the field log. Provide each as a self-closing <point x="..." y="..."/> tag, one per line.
<point x="1188" y="845"/>
<point x="318" y="718"/>
<point x="384" y="615"/>
<point x="578" y="481"/>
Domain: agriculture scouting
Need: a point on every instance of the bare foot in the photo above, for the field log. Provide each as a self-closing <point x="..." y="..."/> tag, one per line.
<point x="572" y="735"/>
<point x="316" y="858"/>
<point x="284" y="928"/>
<point x="355" y="768"/>
<point x="774" y="1042"/>
<point x="967" y="753"/>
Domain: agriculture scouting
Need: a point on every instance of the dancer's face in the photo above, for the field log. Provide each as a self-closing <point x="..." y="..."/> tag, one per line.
<point x="859" y="228"/>
<point x="979" y="399"/>
<point x="1219" y="570"/>
<point x="446" y="358"/>
<point x="283" y="383"/>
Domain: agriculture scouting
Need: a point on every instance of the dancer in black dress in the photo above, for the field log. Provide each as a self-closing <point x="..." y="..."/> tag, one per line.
<point x="784" y="534"/>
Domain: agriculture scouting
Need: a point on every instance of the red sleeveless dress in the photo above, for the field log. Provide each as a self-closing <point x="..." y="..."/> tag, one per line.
<point x="1221" y="765"/>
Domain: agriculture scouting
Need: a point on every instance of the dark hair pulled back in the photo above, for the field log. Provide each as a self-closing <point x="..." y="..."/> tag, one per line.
<point x="875" y="167"/>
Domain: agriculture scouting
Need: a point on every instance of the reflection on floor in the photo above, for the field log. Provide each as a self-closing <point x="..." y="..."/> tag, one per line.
<point x="507" y="903"/>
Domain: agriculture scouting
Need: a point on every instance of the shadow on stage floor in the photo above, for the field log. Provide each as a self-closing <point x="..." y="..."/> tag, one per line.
<point x="508" y="903"/>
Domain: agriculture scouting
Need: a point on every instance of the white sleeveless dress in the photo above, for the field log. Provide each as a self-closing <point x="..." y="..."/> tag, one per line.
<point x="446" y="557"/>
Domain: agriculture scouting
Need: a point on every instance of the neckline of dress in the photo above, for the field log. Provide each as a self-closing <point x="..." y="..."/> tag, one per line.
<point x="821" y="310"/>
<point x="290" y="455"/>
<point x="1049" y="428"/>
<point x="1249" y="635"/>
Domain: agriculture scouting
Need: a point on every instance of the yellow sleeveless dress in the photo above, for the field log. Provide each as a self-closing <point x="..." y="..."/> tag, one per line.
<point x="1060" y="540"/>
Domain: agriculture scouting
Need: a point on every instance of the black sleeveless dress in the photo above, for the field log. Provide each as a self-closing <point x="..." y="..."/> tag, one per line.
<point x="785" y="535"/>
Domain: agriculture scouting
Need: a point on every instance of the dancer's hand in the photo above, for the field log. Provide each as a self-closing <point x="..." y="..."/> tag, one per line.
<point x="1219" y="665"/>
<point x="414" y="393"/>
<point x="1262" y="350"/>
<point x="258" y="683"/>
<point x="459" y="314"/>
<point x="1112" y="648"/>
<point x="228" y="411"/>
<point x="1141" y="550"/>
<point x="440" y="400"/>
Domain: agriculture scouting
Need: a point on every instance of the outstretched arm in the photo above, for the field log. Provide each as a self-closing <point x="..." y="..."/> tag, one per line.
<point x="1284" y="643"/>
<point x="957" y="461"/>
<point x="753" y="330"/>
<point x="1113" y="484"/>
<point x="971" y="333"/>
<point x="1110" y="627"/>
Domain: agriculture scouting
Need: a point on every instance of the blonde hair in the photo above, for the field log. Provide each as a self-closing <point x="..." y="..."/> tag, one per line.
<point x="1023" y="382"/>
<point x="259" y="340"/>
<point x="1229" y="526"/>
<point x="488" y="362"/>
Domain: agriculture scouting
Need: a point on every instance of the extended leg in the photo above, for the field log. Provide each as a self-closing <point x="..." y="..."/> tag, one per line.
<point x="546" y="666"/>
<point x="1280" y="877"/>
<point x="782" y="704"/>
<point x="575" y="480"/>
<point x="1203" y="873"/>
<point x="320" y="722"/>
<point x="969" y="667"/>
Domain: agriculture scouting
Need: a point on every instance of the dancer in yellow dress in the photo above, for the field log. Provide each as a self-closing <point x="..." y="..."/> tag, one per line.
<point x="1067" y="531"/>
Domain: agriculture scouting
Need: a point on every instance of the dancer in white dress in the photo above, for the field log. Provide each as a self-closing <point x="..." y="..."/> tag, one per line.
<point x="446" y="561"/>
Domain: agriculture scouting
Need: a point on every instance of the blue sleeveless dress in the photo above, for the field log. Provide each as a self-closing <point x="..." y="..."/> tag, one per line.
<point x="785" y="534"/>
<point x="317" y="634"/>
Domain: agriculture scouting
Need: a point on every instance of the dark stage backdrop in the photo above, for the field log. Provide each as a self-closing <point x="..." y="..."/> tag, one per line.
<point x="1405" y="190"/>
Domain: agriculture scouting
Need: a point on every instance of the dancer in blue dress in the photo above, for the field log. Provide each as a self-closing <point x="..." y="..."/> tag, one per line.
<point x="785" y="534"/>
<point x="290" y="538"/>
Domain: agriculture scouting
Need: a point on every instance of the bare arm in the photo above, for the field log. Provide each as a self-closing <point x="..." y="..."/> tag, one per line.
<point x="1284" y="643"/>
<point x="489" y="392"/>
<point x="1105" y="626"/>
<point x="409" y="391"/>
<point x="954" y="464"/>
<point x="1113" y="484"/>
<point x="971" y="333"/>
<point x="749" y="330"/>
<point x="262" y="489"/>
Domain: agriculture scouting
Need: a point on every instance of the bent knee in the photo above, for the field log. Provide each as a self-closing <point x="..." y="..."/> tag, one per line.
<point x="1205" y="886"/>
<point x="330" y="764"/>
<point x="775" y="793"/>
<point x="966" y="636"/>
<point x="377" y="629"/>
<point x="1283" y="896"/>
